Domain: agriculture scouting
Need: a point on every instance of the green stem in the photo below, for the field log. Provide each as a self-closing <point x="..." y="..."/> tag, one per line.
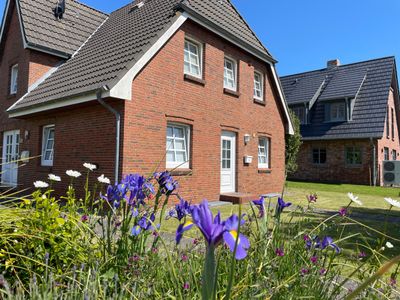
<point x="209" y="274"/>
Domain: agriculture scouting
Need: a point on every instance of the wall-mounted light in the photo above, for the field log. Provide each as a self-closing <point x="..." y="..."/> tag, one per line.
<point x="247" y="138"/>
<point x="26" y="135"/>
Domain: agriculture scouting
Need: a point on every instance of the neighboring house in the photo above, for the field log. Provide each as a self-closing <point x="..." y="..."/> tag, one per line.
<point x="155" y="85"/>
<point x="349" y="116"/>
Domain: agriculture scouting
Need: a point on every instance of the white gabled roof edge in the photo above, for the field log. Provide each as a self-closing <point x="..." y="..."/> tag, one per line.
<point x="289" y="129"/>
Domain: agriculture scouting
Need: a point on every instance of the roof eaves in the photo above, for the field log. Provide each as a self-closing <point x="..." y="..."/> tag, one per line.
<point x="340" y="137"/>
<point x="198" y="18"/>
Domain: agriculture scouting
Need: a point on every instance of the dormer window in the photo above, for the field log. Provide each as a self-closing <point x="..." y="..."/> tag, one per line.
<point x="14" y="80"/>
<point x="335" y="111"/>
<point x="300" y="112"/>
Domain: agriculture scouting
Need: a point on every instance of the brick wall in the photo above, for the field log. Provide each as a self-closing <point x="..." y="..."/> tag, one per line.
<point x="390" y="139"/>
<point x="335" y="169"/>
<point x="160" y="94"/>
<point x="86" y="133"/>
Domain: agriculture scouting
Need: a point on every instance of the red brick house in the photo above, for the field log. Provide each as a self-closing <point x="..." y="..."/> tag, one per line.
<point x="349" y="120"/>
<point x="157" y="84"/>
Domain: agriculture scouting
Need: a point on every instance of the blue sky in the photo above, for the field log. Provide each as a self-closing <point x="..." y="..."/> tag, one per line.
<point x="303" y="35"/>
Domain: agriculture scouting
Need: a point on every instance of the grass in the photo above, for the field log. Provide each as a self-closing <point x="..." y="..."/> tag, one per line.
<point x="334" y="196"/>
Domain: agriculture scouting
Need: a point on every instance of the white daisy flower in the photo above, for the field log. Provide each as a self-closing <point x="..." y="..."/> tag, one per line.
<point x="393" y="202"/>
<point x="53" y="177"/>
<point x="389" y="245"/>
<point x="103" y="179"/>
<point x="40" y="184"/>
<point x="354" y="198"/>
<point x="89" y="166"/>
<point x="73" y="173"/>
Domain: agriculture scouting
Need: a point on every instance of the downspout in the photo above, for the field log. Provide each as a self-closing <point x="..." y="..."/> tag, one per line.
<point x="118" y="129"/>
<point x="374" y="161"/>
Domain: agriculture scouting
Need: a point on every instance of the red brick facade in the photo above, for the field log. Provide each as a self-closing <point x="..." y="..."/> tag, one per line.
<point x="336" y="169"/>
<point x="86" y="133"/>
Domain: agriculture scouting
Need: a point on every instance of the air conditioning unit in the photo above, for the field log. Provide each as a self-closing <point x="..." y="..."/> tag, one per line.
<point x="391" y="172"/>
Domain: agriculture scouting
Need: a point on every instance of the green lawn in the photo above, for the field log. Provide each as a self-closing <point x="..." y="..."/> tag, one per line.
<point x="334" y="196"/>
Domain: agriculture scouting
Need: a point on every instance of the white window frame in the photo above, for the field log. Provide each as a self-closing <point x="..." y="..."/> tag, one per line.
<point x="171" y="147"/>
<point x="199" y="47"/>
<point x="266" y="154"/>
<point x="14" y="80"/>
<point x="234" y="73"/>
<point x="337" y="106"/>
<point x="45" y="139"/>
<point x="261" y="89"/>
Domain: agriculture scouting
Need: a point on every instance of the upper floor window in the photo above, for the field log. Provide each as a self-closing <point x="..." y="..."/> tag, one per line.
<point x="193" y="59"/>
<point x="353" y="156"/>
<point x="387" y="123"/>
<point x="263" y="153"/>
<point x="337" y="111"/>
<point x="178" y="137"/>
<point x="392" y="122"/>
<point x="300" y="112"/>
<point x="258" y="86"/>
<point x="319" y="156"/>
<point x="14" y="80"/>
<point x="48" y="145"/>
<point x="230" y="76"/>
<point x="386" y="153"/>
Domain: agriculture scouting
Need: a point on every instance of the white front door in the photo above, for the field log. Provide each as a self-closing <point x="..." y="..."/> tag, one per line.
<point x="228" y="162"/>
<point x="9" y="165"/>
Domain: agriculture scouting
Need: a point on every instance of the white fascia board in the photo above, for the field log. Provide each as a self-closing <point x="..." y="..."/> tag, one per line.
<point x="54" y="105"/>
<point x="123" y="88"/>
<point x="290" y="129"/>
<point x="3" y="23"/>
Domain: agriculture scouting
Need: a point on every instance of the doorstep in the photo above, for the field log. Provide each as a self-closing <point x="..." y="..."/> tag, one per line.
<point x="237" y="198"/>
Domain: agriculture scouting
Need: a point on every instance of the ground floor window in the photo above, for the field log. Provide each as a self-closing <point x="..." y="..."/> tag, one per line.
<point x="48" y="145"/>
<point x="353" y="156"/>
<point x="177" y="146"/>
<point x="319" y="156"/>
<point x="263" y="153"/>
<point x="394" y="154"/>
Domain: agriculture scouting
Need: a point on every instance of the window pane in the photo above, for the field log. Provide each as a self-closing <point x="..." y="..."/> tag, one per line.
<point x="179" y="145"/>
<point x="170" y="156"/>
<point x="178" y="132"/>
<point x="322" y="156"/>
<point x="180" y="156"/>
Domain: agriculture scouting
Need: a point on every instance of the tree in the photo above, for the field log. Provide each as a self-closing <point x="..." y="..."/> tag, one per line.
<point x="293" y="143"/>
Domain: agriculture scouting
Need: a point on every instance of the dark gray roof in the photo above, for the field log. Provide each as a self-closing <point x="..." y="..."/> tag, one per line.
<point x="65" y="36"/>
<point x="303" y="88"/>
<point x="224" y="14"/>
<point x="121" y="41"/>
<point x="372" y="79"/>
<point x="344" y="83"/>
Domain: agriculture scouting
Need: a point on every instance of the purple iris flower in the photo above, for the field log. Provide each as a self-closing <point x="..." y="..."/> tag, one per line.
<point x="115" y="194"/>
<point x="144" y="224"/>
<point x="328" y="242"/>
<point x="167" y="184"/>
<point x="282" y="204"/>
<point x="215" y="230"/>
<point x="139" y="188"/>
<point x="181" y="210"/>
<point x="260" y="205"/>
<point x="325" y="243"/>
<point x="231" y="235"/>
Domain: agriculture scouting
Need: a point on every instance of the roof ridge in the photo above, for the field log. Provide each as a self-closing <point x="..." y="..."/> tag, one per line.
<point x="90" y="7"/>
<point x="344" y="65"/>
<point x="248" y="26"/>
